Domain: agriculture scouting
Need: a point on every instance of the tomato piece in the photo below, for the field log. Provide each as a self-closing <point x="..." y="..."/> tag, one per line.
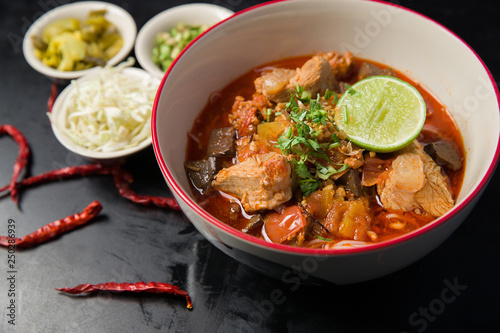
<point x="280" y="227"/>
<point x="348" y="220"/>
<point x="253" y="148"/>
<point x="270" y="132"/>
<point x="375" y="171"/>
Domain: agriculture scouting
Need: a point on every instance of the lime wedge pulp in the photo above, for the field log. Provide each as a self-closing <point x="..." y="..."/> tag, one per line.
<point x="381" y="113"/>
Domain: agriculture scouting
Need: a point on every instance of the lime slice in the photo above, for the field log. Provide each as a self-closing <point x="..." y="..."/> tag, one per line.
<point x="381" y="113"/>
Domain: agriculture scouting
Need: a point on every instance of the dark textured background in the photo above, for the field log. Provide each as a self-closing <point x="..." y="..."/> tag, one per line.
<point x="128" y="242"/>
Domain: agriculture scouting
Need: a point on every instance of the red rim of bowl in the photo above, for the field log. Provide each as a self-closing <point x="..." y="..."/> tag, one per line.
<point x="307" y="251"/>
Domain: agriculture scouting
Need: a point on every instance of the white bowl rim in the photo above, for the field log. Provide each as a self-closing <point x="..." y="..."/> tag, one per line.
<point x="312" y="251"/>
<point x="68" y="75"/>
<point x="68" y="144"/>
<point x="147" y="64"/>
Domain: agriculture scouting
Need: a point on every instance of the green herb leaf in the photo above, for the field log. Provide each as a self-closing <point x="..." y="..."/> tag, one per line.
<point x="301" y="139"/>
<point x="335" y="138"/>
<point x="302" y="171"/>
<point x="350" y="90"/>
<point x="307" y="186"/>
<point x="324" y="239"/>
<point x="328" y="94"/>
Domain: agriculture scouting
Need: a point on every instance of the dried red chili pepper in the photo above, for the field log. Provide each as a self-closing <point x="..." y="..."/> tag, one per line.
<point x="22" y="157"/>
<point x="122" y="181"/>
<point x="55" y="228"/>
<point x="63" y="173"/>
<point x="54" y="91"/>
<point x="149" y="287"/>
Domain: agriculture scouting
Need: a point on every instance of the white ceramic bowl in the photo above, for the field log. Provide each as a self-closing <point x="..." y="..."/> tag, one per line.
<point x="196" y="13"/>
<point x="59" y="111"/>
<point x="120" y="18"/>
<point x="374" y="30"/>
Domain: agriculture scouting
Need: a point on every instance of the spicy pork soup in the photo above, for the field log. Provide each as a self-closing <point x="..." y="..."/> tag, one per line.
<point x="268" y="156"/>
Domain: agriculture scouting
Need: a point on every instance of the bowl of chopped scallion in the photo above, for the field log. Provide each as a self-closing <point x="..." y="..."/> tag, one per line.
<point x="165" y="35"/>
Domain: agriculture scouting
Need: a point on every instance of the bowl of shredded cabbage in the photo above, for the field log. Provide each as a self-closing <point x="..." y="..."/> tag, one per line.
<point x="106" y="114"/>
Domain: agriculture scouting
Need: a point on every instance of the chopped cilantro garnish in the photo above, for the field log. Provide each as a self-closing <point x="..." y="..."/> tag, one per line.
<point x="335" y="138"/>
<point x="301" y="139"/>
<point x="324" y="172"/>
<point x="302" y="170"/>
<point x="309" y="185"/>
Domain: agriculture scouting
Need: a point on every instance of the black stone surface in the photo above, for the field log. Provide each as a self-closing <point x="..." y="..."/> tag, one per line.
<point x="454" y="289"/>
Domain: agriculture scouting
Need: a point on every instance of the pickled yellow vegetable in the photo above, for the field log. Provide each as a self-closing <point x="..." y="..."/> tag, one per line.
<point x="71" y="45"/>
<point x="71" y="48"/>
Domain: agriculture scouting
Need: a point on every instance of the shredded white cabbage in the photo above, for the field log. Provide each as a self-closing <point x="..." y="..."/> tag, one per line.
<point x="109" y="112"/>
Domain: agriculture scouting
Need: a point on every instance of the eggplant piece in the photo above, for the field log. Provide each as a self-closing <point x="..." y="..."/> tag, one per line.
<point x="444" y="154"/>
<point x="368" y="69"/>
<point x="352" y="181"/>
<point x="201" y="173"/>
<point x="222" y="142"/>
<point x="253" y="222"/>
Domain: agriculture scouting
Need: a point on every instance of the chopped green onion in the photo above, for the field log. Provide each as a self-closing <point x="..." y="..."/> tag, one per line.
<point x="170" y="44"/>
<point x="324" y="239"/>
<point x="268" y="113"/>
<point x="333" y="145"/>
<point x="328" y="94"/>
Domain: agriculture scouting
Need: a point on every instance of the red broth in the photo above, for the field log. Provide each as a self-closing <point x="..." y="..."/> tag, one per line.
<point x="439" y="125"/>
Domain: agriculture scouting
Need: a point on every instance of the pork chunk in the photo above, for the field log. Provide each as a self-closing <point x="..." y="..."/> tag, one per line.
<point x="406" y="178"/>
<point x="435" y="197"/>
<point x="261" y="182"/>
<point x="341" y="64"/>
<point x="275" y="85"/>
<point x="315" y="76"/>
<point x="416" y="181"/>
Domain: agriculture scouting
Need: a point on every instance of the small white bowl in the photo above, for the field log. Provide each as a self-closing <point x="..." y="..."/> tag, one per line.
<point x="59" y="111"/>
<point x="196" y="13"/>
<point x="375" y="30"/>
<point x="120" y="18"/>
